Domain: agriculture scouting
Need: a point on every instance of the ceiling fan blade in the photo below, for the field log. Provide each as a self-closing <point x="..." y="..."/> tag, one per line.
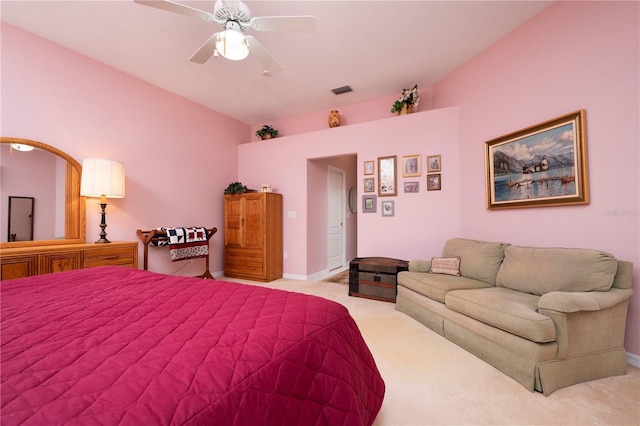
<point x="206" y="50"/>
<point x="291" y="24"/>
<point x="268" y="63"/>
<point x="231" y="5"/>
<point x="171" y="6"/>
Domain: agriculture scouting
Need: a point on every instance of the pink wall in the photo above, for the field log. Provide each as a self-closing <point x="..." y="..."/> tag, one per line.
<point x="422" y="221"/>
<point x="179" y="156"/>
<point x="377" y="109"/>
<point x="574" y="55"/>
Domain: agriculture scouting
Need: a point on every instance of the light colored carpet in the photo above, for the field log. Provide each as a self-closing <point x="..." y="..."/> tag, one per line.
<point x="339" y="278"/>
<point x="431" y="381"/>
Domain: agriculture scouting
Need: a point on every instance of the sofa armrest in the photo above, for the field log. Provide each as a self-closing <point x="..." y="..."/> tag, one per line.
<point x="588" y="322"/>
<point x="567" y="302"/>
<point x="419" y="265"/>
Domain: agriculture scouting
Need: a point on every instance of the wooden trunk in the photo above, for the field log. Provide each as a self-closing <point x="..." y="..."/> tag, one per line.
<point x="375" y="277"/>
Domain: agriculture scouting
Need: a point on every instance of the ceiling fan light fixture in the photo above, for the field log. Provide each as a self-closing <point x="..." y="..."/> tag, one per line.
<point x="231" y="43"/>
<point x="22" y="147"/>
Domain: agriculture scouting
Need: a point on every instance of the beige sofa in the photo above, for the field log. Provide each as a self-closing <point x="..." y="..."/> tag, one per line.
<point x="547" y="317"/>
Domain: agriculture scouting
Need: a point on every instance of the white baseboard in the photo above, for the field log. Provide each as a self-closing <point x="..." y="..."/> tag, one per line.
<point x="317" y="276"/>
<point x="633" y="359"/>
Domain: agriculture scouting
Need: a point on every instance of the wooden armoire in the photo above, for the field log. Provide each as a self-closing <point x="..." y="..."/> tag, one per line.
<point x="253" y="236"/>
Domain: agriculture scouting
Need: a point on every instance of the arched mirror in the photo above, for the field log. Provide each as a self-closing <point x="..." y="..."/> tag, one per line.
<point x="353" y="199"/>
<point x="52" y="178"/>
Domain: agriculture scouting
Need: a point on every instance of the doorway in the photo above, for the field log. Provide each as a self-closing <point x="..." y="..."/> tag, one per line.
<point x="336" y="218"/>
<point x="318" y="213"/>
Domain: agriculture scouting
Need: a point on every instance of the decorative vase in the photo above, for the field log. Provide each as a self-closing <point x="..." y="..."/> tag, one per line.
<point x="406" y="109"/>
<point x="334" y="118"/>
<point x="266" y="136"/>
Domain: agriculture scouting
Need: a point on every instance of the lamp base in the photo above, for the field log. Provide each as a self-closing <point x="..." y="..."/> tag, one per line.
<point x="103" y="225"/>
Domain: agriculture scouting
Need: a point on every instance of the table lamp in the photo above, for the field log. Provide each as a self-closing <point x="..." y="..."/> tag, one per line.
<point x="104" y="179"/>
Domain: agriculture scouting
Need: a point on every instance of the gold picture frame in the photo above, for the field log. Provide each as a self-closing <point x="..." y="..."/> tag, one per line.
<point x="368" y="167"/>
<point x="412" y="165"/>
<point x="369" y="185"/>
<point x="434" y="163"/>
<point x="387" y="176"/>
<point x="542" y="165"/>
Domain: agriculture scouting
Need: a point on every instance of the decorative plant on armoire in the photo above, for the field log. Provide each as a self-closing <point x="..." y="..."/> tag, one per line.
<point x="235" y="188"/>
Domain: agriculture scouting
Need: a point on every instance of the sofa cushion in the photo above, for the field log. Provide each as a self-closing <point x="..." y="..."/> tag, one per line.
<point x="542" y="270"/>
<point x="435" y="286"/>
<point x="508" y="310"/>
<point x="478" y="259"/>
<point x="419" y="265"/>
<point x="445" y="265"/>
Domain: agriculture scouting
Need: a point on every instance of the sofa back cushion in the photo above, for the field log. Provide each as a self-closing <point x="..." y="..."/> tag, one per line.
<point x="543" y="270"/>
<point x="478" y="259"/>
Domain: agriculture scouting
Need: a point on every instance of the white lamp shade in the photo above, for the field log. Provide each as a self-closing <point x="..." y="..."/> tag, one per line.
<point x="102" y="178"/>
<point x="231" y="43"/>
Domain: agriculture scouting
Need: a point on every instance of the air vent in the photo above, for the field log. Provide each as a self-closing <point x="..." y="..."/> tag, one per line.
<point x="341" y="90"/>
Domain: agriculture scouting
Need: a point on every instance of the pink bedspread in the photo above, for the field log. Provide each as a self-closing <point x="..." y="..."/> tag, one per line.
<point x="112" y="345"/>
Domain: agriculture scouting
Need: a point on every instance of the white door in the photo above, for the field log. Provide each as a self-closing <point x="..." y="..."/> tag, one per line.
<point x="336" y="218"/>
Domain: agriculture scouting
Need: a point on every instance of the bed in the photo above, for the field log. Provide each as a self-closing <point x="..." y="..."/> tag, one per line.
<point x="114" y="345"/>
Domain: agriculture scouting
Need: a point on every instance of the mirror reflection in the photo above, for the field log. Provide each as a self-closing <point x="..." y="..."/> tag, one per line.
<point x="38" y="174"/>
<point x="20" y="219"/>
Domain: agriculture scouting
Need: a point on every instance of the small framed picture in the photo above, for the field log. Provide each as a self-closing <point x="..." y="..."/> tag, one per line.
<point x="411" y="165"/>
<point x="369" y="185"/>
<point x="412" y="187"/>
<point x="369" y="203"/>
<point x="368" y="167"/>
<point x="387" y="208"/>
<point x="434" y="182"/>
<point x="434" y="163"/>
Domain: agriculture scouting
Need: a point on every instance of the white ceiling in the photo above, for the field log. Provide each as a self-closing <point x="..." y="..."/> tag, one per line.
<point x="376" y="47"/>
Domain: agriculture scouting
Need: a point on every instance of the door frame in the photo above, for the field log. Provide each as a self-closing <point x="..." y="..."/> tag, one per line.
<point x="342" y="173"/>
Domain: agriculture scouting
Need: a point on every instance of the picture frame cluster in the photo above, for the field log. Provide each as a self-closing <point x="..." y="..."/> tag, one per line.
<point x="412" y="167"/>
<point x="387" y="179"/>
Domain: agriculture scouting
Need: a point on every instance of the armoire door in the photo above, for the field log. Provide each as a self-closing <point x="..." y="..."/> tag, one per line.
<point x="254" y="217"/>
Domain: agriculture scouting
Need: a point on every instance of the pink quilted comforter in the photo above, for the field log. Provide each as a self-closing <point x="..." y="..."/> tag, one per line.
<point x="112" y="345"/>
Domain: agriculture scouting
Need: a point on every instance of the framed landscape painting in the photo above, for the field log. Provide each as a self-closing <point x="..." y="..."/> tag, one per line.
<point x="542" y="165"/>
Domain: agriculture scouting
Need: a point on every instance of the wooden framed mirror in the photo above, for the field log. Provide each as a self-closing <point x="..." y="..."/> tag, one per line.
<point x="69" y="206"/>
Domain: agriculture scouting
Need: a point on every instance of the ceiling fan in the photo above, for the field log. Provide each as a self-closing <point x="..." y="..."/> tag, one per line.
<point x="235" y="18"/>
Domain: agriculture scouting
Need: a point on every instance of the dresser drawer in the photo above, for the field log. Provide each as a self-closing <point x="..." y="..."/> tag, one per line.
<point x="243" y="262"/>
<point x="121" y="255"/>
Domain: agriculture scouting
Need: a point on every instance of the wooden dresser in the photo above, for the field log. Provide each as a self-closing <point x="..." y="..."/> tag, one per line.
<point x="253" y="236"/>
<point x="27" y="261"/>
